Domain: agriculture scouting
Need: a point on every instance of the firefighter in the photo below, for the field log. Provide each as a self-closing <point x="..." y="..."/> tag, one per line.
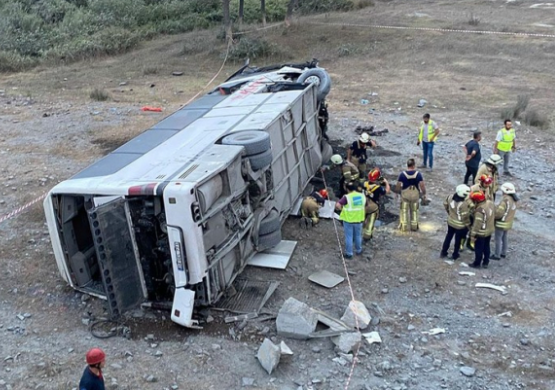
<point x="376" y="187"/>
<point x="349" y="172"/>
<point x="490" y="168"/>
<point x="310" y="206"/>
<point x="485" y="185"/>
<point x="482" y="228"/>
<point x="458" y="220"/>
<point x="357" y="152"/>
<point x="410" y="185"/>
<point x="504" y="216"/>
<point x="92" y="376"/>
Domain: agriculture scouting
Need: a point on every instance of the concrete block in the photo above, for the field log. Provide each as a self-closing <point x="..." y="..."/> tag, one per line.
<point x="284" y="349"/>
<point x="348" y="342"/>
<point x="296" y="320"/>
<point x="357" y="310"/>
<point x="268" y="355"/>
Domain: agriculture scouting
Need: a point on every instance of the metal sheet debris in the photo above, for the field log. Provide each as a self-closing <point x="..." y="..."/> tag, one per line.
<point x="466" y="273"/>
<point x="250" y="296"/>
<point x="433" y="332"/>
<point x="326" y="278"/>
<point x="277" y="257"/>
<point x="327" y="211"/>
<point x="501" y="289"/>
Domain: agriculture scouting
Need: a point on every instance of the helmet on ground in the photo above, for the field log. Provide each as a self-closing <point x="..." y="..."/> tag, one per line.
<point x="336" y="159"/>
<point x="478" y="196"/>
<point x="324" y="193"/>
<point x="374" y="175"/>
<point x="508" y="188"/>
<point x="494" y="159"/>
<point x="462" y="190"/>
<point x="95" y="356"/>
<point x="364" y="138"/>
<point x="486" y="180"/>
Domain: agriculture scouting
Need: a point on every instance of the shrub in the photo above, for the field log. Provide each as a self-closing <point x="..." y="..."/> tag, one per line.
<point x="150" y="70"/>
<point x="254" y="48"/>
<point x="515" y="112"/>
<point x="99" y="95"/>
<point x="473" y="20"/>
<point x="537" y="119"/>
<point x="275" y="10"/>
<point x="15" y="62"/>
<point x="319" y="6"/>
<point x="346" y="50"/>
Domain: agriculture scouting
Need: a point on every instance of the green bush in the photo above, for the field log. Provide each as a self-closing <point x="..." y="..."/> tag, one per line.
<point x="15" y="62"/>
<point x="99" y="95"/>
<point x="275" y="10"/>
<point x="318" y="6"/>
<point x="254" y="48"/>
<point x="537" y="119"/>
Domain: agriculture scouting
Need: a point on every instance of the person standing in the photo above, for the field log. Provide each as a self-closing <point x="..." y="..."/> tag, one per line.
<point x="505" y="144"/>
<point x="485" y="185"/>
<point x="349" y="172"/>
<point x="482" y="228"/>
<point x="489" y="168"/>
<point x="357" y="152"/>
<point x="310" y="206"/>
<point x="410" y="185"/>
<point x="352" y="214"/>
<point x="504" y="216"/>
<point x="473" y="156"/>
<point x="427" y="135"/>
<point x="376" y="187"/>
<point x="92" y="378"/>
<point x="458" y="220"/>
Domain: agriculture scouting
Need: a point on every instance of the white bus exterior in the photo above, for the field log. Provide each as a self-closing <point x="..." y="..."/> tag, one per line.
<point x="173" y="215"/>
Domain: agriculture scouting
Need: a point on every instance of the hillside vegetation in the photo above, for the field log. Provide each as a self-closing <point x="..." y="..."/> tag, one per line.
<point x="32" y="31"/>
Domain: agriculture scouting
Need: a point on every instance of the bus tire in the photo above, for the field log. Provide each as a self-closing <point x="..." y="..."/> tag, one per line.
<point x="269" y="240"/>
<point x="261" y="160"/>
<point x="321" y="78"/>
<point x="254" y="141"/>
<point x="270" y="224"/>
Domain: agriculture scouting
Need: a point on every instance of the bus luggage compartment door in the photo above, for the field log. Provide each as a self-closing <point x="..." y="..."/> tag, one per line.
<point x="117" y="255"/>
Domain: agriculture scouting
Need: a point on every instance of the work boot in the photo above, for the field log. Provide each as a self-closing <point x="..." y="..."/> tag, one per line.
<point x="507" y="173"/>
<point x="455" y="257"/>
<point x="503" y="256"/>
<point x="494" y="257"/>
<point x="485" y="265"/>
<point x="443" y="255"/>
<point x="472" y="265"/>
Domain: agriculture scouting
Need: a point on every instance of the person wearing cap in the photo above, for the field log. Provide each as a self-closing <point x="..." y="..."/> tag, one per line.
<point x="427" y="135"/>
<point x="349" y="172"/>
<point x="458" y="220"/>
<point x="92" y="378"/>
<point x="489" y="168"/>
<point x="352" y="214"/>
<point x="310" y="207"/>
<point x="504" y="216"/>
<point x="484" y="185"/>
<point x="473" y="156"/>
<point x="482" y="228"/>
<point x="505" y="144"/>
<point x="410" y="185"/>
<point x="376" y="187"/>
<point x="357" y="152"/>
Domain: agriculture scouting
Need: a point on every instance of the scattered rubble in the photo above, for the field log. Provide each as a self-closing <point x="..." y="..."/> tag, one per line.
<point x="268" y="355"/>
<point x="296" y="320"/>
<point x="356" y="315"/>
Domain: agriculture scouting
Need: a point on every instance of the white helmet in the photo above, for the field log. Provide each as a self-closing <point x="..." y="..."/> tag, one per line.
<point x="336" y="159"/>
<point x="494" y="159"/>
<point x="463" y="190"/>
<point x="508" y="188"/>
<point x="364" y="138"/>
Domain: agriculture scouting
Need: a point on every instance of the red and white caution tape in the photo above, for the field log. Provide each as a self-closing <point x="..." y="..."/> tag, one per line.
<point x="446" y="30"/>
<point x="21" y="209"/>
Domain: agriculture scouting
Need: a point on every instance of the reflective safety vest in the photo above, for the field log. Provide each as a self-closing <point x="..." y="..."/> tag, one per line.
<point x="459" y="213"/>
<point x="431" y="131"/>
<point x="484" y="220"/>
<point x="505" y="213"/>
<point x="507" y="140"/>
<point x="350" y="171"/>
<point x="353" y="211"/>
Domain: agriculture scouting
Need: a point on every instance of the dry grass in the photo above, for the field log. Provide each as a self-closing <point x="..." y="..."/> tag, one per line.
<point x="112" y="137"/>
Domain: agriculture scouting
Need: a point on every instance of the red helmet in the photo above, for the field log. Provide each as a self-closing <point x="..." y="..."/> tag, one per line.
<point x="478" y="196"/>
<point x="95" y="356"/>
<point x="374" y="175"/>
<point x="324" y="193"/>
<point x="486" y="180"/>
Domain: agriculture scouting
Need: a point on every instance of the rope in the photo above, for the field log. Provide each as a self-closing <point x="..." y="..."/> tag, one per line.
<point x="21" y="209"/>
<point x="446" y="30"/>
<point x="352" y="370"/>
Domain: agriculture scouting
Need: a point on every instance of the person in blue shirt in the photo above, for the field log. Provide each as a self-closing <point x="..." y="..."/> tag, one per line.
<point x="92" y="378"/>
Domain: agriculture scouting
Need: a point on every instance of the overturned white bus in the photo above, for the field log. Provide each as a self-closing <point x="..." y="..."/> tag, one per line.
<point x="173" y="215"/>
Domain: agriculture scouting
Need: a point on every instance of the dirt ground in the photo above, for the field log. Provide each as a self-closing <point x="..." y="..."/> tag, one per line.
<point x="50" y="129"/>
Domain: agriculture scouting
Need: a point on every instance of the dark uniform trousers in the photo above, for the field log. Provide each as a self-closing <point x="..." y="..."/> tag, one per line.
<point x="459" y="235"/>
<point x="482" y="251"/>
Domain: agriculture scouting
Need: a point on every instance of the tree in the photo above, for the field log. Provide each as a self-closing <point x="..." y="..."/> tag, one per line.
<point x="241" y="12"/>
<point x="289" y="15"/>
<point x="263" y="10"/>
<point x="227" y="20"/>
